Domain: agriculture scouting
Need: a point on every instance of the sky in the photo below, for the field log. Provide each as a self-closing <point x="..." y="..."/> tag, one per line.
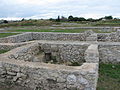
<point x="45" y="9"/>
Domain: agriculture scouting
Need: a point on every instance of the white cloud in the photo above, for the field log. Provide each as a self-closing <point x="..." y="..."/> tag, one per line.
<point x="53" y="8"/>
<point x="11" y="18"/>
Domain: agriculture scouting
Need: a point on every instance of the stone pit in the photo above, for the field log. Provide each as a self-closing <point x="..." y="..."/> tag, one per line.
<point x="57" y="61"/>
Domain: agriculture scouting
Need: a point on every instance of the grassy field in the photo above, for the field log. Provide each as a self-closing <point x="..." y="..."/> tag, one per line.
<point x="57" y="30"/>
<point x="29" y="23"/>
<point x="3" y="51"/>
<point x="107" y="23"/>
<point x="62" y="24"/>
<point x="7" y="34"/>
<point x="51" y="30"/>
<point x="109" y="77"/>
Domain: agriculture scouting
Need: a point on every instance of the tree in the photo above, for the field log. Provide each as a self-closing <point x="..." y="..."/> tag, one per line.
<point x="63" y="19"/>
<point x="5" y="21"/>
<point x="58" y="19"/>
<point x="75" y="19"/>
<point x="116" y="19"/>
<point x="23" y="19"/>
<point x="108" y="17"/>
<point x="51" y="19"/>
<point x="70" y="18"/>
<point x="90" y="19"/>
<point x="81" y="19"/>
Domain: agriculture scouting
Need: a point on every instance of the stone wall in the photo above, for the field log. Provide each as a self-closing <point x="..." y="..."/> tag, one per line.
<point x="62" y="51"/>
<point x="10" y="46"/>
<point x="109" y="52"/>
<point x="46" y="36"/>
<point x="26" y="53"/>
<point x="92" y="54"/>
<point x="92" y="37"/>
<point x="24" y="64"/>
<point x="103" y="37"/>
<point x="62" y="36"/>
<point x="109" y="37"/>
<point x="49" y="77"/>
<point x="66" y="52"/>
<point x="17" y="38"/>
<point x="86" y="36"/>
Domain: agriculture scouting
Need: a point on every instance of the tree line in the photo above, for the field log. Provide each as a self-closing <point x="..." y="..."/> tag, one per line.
<point x="72" y="18"/>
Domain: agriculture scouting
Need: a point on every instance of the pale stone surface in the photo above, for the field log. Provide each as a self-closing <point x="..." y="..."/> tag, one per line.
<point x="44" y="36"/>
<point x="83" y="81"/>
<point x="53" y="77"/>
<point x="109" y="52"/>
<point x="64" y="52"/>
<point x="71" y="79"/>
<point x="92" y="54"/>
<point x="24" y="64"/>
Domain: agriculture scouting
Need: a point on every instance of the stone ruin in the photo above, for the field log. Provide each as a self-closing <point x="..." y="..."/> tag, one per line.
<point x="57" y="61"/>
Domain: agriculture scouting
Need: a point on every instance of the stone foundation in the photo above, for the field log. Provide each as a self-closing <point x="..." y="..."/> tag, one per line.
<point x="48" y="76"/>
<point x="109" y="52"/>
<point x="57" y="61"/>
<point x="86" y="36"/>
<point x="25" y="65"/>
<point x="45" y="36"/>
<point x="61" y="51"/>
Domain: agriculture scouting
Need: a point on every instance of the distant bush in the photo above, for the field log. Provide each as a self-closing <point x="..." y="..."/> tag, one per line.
<point x="108" y="17"/>
<point x="5" y="21"/>
<point x="29" y="23"/>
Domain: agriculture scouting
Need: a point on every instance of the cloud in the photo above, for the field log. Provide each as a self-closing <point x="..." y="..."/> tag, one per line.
<point x="53" y="8"/>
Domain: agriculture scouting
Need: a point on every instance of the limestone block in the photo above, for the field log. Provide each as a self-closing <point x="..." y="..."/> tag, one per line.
<point x="11" y="73"/>
<point x="71" y="79"/>
<point x="92" y="54"/>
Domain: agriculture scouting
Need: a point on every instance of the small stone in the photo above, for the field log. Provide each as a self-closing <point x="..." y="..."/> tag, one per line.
<point x="71" y="79"/>
<point x="1" y="65"/>
<point x="21" y="75"/>
<point x="11" y="73"/>
<point x="3" y="76"/>
<point x="16" y="56"/>
<point x="11" y="56"/>
<point x="2" y="80"/>
<point x="2" y="72"/>
<point x="19" y="81"/>
<point x="9" y="77"/>
<point x="83" y="80"/>
<point x="60" y="79"/>
<point x="113" y="66"/>
<point x="17" y="69"/>
<point x="15" y="79"/>
<point x="83" y="73"/>
<point x="71" y="87"/>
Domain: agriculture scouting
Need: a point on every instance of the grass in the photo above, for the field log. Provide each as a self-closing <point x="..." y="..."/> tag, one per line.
<point x="29" y="23"/>
<point x="52" y="30"/>
<point x="7" y="34"/>
<point x="109" y="77"/>
<point x="50" y="23"/>
<point x="57" y="30"/>
<point x="107" y="23"/>
<point x="3" y="51"/>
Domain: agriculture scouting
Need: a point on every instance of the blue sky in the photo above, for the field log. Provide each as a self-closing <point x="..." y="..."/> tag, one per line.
<point x="17" y="9"/>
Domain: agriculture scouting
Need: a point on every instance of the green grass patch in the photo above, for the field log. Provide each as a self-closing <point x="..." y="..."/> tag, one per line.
<point x="107" y="23"/>
<point x="109" y="77"/>
<point x="3" y="51"/>
<point x="51" y="30"/>
<point x="58" y="30"/>
<point x="29" y="23"/>
<point x="7" y="34"/>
